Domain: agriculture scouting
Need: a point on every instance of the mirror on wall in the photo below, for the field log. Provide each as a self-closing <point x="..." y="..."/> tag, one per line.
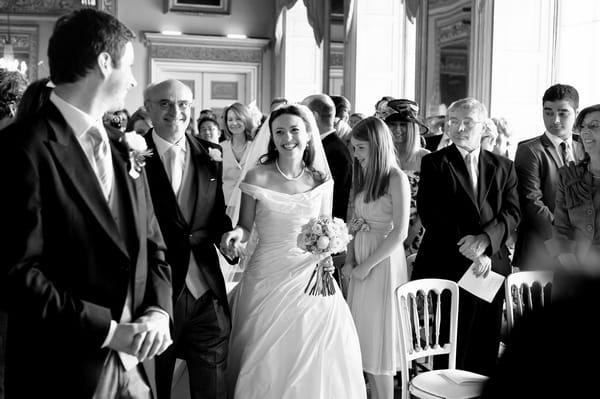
<point x="444" y="46"/>
<point x="336" y="48"/>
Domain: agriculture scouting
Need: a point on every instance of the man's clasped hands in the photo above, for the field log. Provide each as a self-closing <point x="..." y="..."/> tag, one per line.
<point x="144" y="338"/>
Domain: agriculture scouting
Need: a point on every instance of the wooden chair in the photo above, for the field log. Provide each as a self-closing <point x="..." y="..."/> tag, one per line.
<point x="410" y="260"/>
<point x="420" y="312"/>
<point x="525" y="292"/>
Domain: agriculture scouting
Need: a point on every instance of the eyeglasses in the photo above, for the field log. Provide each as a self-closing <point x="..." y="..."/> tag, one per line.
<point x="166" y="104"/>
<point x="468" y="123"/>
<point x="208" y="129"/>
<point x="593" y="125"/>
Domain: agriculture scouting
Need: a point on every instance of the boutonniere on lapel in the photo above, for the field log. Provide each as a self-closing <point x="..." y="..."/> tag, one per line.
<point x="215" y="154"/>
<point x="138" y="151"/>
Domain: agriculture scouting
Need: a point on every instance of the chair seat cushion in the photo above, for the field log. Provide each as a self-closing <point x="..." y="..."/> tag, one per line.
<point x="448" y="383"/>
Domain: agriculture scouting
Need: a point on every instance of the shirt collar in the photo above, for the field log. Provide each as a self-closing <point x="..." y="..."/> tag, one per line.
<point x="475" y="152"/>
<point x="323" y="135"/>
<point x="556" y="141"/>
<point x="78" y="120"/>
<point x="163" y="145"/>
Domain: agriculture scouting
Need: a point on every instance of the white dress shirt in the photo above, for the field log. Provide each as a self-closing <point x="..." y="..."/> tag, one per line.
<point x="472" y="167"/>
<point x="80" y="122"/>
<point x="175" y="168"/>
<point x="556" y="142"/>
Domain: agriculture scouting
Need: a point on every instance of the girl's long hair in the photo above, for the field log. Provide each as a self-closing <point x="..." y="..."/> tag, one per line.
<point x="407" y="150"/>
<point x="375" y="179"/>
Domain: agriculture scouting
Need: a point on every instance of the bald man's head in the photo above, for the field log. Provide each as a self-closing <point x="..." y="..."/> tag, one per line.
<point x="169" y="104"/>
<point x="324" y="109"/>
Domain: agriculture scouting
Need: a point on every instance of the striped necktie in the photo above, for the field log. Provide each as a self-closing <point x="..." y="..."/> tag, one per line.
<point x="102" y="162"/>
<point x="567" y="155"/>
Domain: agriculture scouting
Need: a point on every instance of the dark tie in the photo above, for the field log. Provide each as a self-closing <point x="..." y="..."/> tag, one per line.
<point x="567" y="156"/>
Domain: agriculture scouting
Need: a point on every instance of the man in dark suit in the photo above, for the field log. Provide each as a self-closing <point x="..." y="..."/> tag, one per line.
<point x="468" y="204"/>
<point x="185" y="177"/>
<point x="537" y="161"/>
<point x="84" y="276"/>
<point x="338" y="156"/>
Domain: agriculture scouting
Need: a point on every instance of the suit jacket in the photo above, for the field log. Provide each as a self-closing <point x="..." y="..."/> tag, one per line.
<point x="537" y="163"/>
<point x="208" y="221"/>
<point x="574" y="230"/>
<point x="432" y="142"/>
<point x="66" y="263"/>
<point x="340" y="164"/>
<point x="450" y="211"/>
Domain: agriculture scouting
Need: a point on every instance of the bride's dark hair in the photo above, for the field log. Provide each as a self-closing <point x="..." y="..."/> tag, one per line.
<point x="309" y="153"/>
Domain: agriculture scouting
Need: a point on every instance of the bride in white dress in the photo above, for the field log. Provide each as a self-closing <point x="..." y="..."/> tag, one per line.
<point x="285" y="343"/>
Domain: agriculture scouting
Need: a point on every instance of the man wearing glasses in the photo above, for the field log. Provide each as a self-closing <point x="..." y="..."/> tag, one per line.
<point x="537" y="161"/>
<point x="185" y="178"/>
<point x="468" y="204"/>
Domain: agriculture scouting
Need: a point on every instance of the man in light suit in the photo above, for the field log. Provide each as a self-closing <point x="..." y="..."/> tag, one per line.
<point x="466" y="231"/>
<point x="83" y="275"/>
<point x="537" y="161"/>
<point x="185" y="177"/>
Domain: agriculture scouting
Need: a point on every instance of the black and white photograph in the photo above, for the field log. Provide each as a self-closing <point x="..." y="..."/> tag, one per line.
<point x="299" y="199"/>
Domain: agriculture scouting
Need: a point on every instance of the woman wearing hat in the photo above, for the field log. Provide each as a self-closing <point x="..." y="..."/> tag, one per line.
<point x="406" y="129"/>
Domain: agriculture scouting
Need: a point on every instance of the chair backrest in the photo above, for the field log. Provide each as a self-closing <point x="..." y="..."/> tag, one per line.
<point x="428" y="321"/>
<point x="410" y="260"/>
<point x="526" y="291"/>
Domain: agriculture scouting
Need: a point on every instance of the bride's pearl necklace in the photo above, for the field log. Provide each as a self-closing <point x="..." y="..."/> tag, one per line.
<point x="286" y="177"/>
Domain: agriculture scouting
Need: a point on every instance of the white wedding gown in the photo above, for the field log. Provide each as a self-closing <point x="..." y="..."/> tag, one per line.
<point x="284" y="343"/>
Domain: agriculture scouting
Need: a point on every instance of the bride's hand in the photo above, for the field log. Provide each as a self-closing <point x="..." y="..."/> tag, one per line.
<point x="230" y="242"/>
<point x="327" y="264"/>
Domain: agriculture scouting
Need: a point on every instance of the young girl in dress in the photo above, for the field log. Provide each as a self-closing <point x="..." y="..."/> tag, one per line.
<point x="375" y="260"/>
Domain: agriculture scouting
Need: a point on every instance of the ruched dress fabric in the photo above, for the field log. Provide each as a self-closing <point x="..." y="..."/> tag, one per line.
<point x="285" y="343"/>
<point x="372" y="300"/>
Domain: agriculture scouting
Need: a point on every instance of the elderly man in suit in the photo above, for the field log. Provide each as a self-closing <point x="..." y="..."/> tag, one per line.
<point x="466" y="231"/>
<point x="537" y="161"/>
<point x="83" y="274"/>
<point x="185" y="177"/>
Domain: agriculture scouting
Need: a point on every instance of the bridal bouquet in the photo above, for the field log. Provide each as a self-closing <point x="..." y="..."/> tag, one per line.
<point x="323" y="235"/>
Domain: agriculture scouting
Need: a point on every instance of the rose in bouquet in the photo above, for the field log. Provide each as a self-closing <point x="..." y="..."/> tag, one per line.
<point x="323" y="235"/>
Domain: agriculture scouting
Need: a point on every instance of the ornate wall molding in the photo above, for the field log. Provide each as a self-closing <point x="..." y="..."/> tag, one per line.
<point x="53" y="7"/>
<point x="205" y="48"/>
<point x="205" y="54"/>
<point x="195" y="53"/>
<point x="336" y="56"/>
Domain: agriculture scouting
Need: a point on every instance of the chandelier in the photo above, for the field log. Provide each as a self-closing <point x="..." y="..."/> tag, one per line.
<point x="8" y="60"/>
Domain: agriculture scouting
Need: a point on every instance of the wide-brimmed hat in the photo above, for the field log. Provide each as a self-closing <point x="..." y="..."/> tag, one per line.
<point x="406" y="111"/>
